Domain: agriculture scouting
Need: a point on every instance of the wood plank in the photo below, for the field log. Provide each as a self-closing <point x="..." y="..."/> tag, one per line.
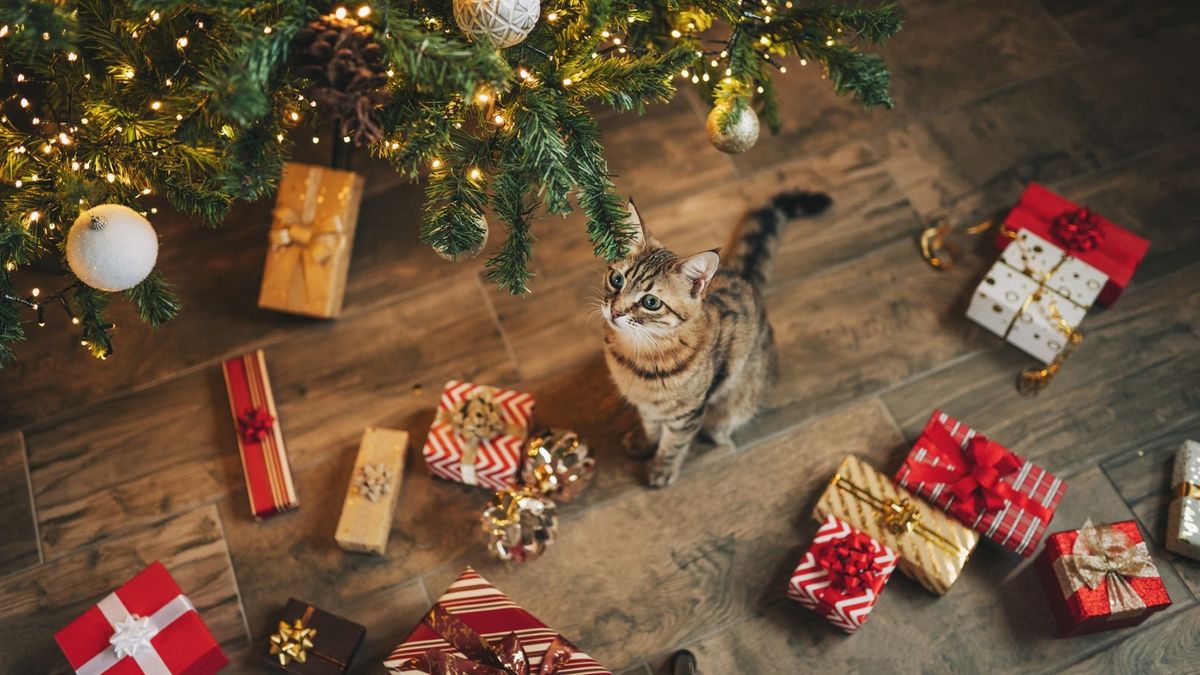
<point x="995" y="616"/>
<point x="37" y="602"/>
<point x="1103" y="25"/>
<point x="18" y="533"/>
<point x="1168" y="647"/>
<point x="123" y="463"/>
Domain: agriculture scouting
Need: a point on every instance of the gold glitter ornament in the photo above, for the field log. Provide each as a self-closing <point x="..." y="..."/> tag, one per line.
<point x="519" y="524"/>
<point x="557" y="464"/>
<point x="742" y="133"/>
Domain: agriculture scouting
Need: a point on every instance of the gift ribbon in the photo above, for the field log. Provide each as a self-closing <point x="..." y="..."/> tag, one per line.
<point x="900" y="517"/>
<point x="294" y="641"/>
<point x="476" y="419"/>
<point x="1078" y="230"/>
<point x="1187" y="490"/>
<point x="132" y="635"/>
<point x="302" y="244"/>
<point x="1104" y="554"/>
<point x="976" y="477"/>
<point x="255" y="423"/>
<point x="850" y="562"/>
<point x="506" y="656"/>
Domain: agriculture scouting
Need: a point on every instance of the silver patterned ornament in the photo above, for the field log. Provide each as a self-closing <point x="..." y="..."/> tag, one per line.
<point x="473" y="252"/>
<point x="742" y="134"/>
<point x="519" y="524"/>
<point x="503" y="23"/>
<point x="557" y="464"/>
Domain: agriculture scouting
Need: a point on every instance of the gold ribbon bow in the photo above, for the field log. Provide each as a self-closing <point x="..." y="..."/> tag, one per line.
<point x="937" y="250"/>
<point x="1104" y="554"/>
<point x="303" y="243"/>
<point x="292" y="642"/>
<point x="900" y="517"/>
<point x="476" y="419"/>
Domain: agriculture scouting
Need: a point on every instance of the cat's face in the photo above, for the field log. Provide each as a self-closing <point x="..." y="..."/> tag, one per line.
<point x="652" y="292"/>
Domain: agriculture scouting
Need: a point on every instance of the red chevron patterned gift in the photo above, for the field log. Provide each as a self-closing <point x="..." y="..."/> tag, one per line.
<point x="474" y="628"/>
<point x="841" y="575"/>
<point x="478" y="436"/>
<point x="1002" y="496"/>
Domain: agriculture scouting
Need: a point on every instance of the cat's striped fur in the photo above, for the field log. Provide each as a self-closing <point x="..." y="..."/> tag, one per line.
<point x="688" y="341"/>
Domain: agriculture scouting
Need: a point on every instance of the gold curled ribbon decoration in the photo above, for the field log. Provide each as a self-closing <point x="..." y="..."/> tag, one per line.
<point x="900" y="517"/>
<point x="1187" y="490"/>
<point x="303" y="244"/>
<point x="1105" y="554"/>
<point x="937" y="250"/>
<point x="476" y="419"/>
<point x="292" y="642"/>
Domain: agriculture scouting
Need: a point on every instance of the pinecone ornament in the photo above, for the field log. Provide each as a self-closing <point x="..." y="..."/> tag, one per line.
<point x="346" y="70"/>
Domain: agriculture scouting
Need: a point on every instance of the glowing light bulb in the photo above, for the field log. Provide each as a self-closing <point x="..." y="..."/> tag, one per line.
<point x="345" y="139"/>
<point x="35" y="292"/>
<point x="111" y="177"/>
<point x="156" y="105"/>
<point x="182" y="42"/>
<point x="295" y="116"/>
<point x="64" y="138"/>
<point x="676" y="34"/>
<point x="34" y="216"/>
<point x="616" y="41"/>
<point x="475" y="174"/>
<point x="498" y="119"/>
<point x="804" y="62"/>
<point x="604" y="34"/>
<point x="437" y="164"/>
<point x="568" y="81"/>
<point x="146" y="191"/>
<point x="552" y="16"/>
<point x="71" y="56"/>
<point x="340" y="12"/>
<point x="783" y="69"/>
<point x="523" y="74"/>
<point x="316" y="140"/>
<point x="267" y="30"/>
<point x="24" y="103"/>
<point x="75" y="320"/>
<point x="483" y="97"/>
<point x="128" y="74"/>
<point x="363" y="12"/>
<point x="74" y="166"/>
<point x="18" y="182"/>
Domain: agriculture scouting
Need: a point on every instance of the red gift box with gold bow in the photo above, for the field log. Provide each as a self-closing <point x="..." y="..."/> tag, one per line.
<point x="1081" y="232"/>
<point x="1100" y="577"/>
<point x="993" y="491"/>
<point x="841" y="575"/>
<point x="474" y="629"/>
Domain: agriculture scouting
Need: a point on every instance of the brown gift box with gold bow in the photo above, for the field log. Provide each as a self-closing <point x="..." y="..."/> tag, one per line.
<point x="312" y="232"/>
<point x="311" y="641"/>
<point x="932" y="546"/>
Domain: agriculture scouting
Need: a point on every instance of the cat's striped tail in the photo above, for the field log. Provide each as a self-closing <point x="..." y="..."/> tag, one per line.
<point x="756" y="238"/>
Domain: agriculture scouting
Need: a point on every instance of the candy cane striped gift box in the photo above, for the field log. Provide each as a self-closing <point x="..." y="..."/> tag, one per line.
<point x="494" y="616"/>
<point x="496" y="462"/>
<point x="820" y="580"/>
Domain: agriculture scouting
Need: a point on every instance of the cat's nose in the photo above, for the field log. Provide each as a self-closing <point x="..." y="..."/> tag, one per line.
<point x="615" y="314"/>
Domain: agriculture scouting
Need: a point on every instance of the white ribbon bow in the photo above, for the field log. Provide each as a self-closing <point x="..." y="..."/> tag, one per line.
<point x="132" y="635"/>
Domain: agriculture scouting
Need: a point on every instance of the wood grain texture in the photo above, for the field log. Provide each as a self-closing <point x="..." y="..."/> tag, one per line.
<point x="1102" y="25"/>
<point x="366" y="519"/>
<point x="39" y="601"/>
<point x="18" y="533"/>
<point x="1170" y="647"/>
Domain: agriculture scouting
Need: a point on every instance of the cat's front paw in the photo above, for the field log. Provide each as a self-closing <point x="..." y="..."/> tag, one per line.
<point x="636" y="447"/>
<point x="660" y="473"/>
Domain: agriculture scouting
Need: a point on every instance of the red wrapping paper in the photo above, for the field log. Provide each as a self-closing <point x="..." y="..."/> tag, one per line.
<point x="497" y="460"/>
<point x="1089" y="610"/>
<point x="259" y="435"/>
<point x="843" y="593"/>
<point x="1014" y="512"/>
<point x="494" y="616"/>
<point x="1117" y="251"/>
<point x="184" y="645"/>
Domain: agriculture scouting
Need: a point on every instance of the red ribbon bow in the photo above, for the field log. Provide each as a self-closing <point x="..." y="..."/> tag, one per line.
<point x="850" y="562"/>
<point x="1078" y="230"/>
<point x="975" y="479"/>
<point x="255" y="423"/>
<point x="506" y="656"/>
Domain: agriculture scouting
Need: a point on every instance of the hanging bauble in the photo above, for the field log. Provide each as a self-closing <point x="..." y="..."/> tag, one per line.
<point x="557" y="464"/>
<point x="504" y="23"/>
<point x="519" y="524"/>
<point x="743" y="128"/>
<point x="474" y="251"/>
<point x="111" y="247"/>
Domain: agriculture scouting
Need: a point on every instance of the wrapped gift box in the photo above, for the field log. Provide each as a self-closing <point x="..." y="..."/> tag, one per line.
<point x="310" y="641"/>
<point x="1088" y="236"/>
<point x="366" y="519"/>
<point x="1100" y="577"/>
<point x="146" y="626"/>
<point x="259" y="435"/>
<point x="1035" y="295"/>
<point x="1183" y="518"/>
<point x="474" y="625"/>
<point x="932" y="546"/>
<point x="1005" y="498"/>
<point x="478" y="435"/>
<point x="311" y="235"/>
<point x="842" y="573"/>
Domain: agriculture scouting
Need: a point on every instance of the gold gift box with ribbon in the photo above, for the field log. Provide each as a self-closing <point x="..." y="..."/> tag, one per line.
<point x="933" y="547"/>
<point x="311" y="235"/>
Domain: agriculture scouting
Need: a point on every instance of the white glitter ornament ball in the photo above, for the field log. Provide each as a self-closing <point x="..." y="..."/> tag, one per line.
<point x="111" y="247"/>
<point x="743" y="133"/>
<point x="504" y="23"/>
<point x="472" y="253"/>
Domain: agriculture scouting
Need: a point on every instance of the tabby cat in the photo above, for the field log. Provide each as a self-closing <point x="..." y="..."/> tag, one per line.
<point x="687" y="341"/>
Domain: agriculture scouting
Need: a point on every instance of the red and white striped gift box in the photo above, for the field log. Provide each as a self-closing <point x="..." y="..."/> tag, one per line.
<point x="259" y="435"/>
<point x="498" y="460"/>
<point x="493" y="615"/>
<point x="1029" y="493"/>
<point x="812" y="585"/>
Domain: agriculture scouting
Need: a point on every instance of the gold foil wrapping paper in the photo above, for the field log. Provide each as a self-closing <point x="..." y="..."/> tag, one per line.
<point x="932" y="546"/>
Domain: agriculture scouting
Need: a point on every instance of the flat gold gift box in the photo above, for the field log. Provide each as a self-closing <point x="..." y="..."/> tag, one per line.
<point x="933" y="547"/>
<point x="312" y="232"/>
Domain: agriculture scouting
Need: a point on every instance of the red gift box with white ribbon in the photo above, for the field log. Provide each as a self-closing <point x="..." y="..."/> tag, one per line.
<point x="842" y="573"/>
<point x="145" y="627"/>
<point x="988" y="488"/>
<point x="478" y="436"/>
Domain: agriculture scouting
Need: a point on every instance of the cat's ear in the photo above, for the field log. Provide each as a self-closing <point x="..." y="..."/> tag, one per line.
<point x="699" y="269"/>
<point x="641" y="238"/>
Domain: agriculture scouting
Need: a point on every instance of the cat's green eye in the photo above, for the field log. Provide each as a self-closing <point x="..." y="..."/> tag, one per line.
<point x="616" y="279"/>
<point x="651" y="302"/>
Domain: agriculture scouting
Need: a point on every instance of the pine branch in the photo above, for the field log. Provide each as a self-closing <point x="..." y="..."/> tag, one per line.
<point x="97" y="332"/>
<point x="509" y="269"/>
<point x="608" y="221"/>
<point x="155" y="299"/>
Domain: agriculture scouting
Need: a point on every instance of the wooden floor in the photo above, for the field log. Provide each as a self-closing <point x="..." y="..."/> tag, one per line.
<point x="105" y="467"/>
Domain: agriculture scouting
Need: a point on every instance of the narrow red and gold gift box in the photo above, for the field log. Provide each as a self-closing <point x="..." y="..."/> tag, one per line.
<point x="478" y="435"/>
<point x="146" y="626"/>
<point x="842" y="573"/>
<point x="1004" y="497"/>
<point x="1100" y="577"/>
<point x="473" y="627"/>
<point x="259" y="435"/>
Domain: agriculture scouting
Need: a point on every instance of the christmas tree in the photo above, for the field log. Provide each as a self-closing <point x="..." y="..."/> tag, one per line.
<point x="110" y="102"/>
